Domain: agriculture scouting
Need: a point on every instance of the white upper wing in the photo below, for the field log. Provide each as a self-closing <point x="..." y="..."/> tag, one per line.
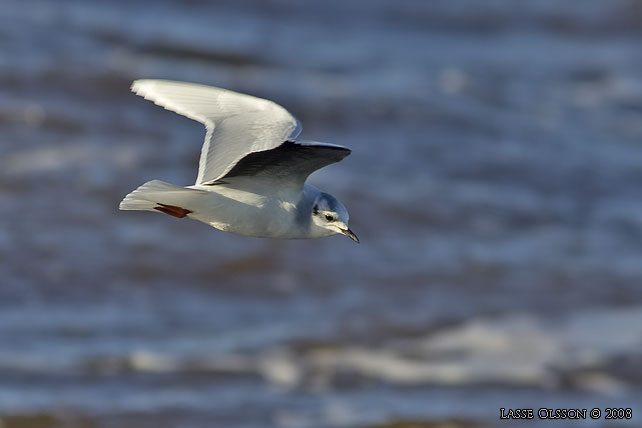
<point x="236" y="124"/>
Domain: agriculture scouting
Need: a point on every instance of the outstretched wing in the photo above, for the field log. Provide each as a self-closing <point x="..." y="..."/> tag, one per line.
<point x="290" y="163"/>
<point x="236" y="124"/>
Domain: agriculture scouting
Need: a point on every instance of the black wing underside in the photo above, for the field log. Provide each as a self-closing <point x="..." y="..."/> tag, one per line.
<point x="291" y="160"/>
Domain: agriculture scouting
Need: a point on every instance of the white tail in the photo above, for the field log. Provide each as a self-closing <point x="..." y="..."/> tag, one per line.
<point x="156" y="193"/>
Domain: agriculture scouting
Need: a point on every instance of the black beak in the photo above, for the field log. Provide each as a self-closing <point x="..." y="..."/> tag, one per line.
<point x="350" y="234"/>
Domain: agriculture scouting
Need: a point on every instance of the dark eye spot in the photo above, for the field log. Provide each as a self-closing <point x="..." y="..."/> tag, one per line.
<point x="329" y="217"/>
<point x="315" y="210"/>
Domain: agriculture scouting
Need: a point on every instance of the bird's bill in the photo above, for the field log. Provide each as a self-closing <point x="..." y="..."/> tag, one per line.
<point x="350" y="234"/>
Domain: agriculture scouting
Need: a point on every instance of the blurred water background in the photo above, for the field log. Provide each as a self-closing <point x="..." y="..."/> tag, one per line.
<point x="495" y="184"/>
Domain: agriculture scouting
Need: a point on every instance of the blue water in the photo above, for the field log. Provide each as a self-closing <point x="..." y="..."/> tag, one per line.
<point x="494" y="183"/>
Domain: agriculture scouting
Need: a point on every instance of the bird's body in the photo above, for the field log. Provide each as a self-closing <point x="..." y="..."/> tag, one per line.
<point x="252" y="172"/>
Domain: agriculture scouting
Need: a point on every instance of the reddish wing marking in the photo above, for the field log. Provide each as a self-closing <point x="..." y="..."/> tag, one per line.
<point x="173" y="210"/>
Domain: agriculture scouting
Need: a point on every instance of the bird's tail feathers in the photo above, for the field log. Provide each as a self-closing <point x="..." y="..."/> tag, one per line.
<point x="157" y="195"/>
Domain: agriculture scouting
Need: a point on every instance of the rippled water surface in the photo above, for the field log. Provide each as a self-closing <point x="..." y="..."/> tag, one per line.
<point x="495" y="184"/>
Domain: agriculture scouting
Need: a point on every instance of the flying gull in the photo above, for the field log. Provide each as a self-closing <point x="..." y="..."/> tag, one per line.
<point x="252" y="170"/>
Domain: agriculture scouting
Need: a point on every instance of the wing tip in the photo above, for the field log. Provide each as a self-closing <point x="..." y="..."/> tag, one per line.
<point x="146" y="84"/>
<point x="317" y="144"/>
<point x="142" y="86"/>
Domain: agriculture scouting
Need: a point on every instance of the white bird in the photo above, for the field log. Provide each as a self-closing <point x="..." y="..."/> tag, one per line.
<point x="252" y="171"/>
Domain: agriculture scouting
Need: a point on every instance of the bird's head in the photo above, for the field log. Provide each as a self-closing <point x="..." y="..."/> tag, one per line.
<point x="331" y="216"/>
